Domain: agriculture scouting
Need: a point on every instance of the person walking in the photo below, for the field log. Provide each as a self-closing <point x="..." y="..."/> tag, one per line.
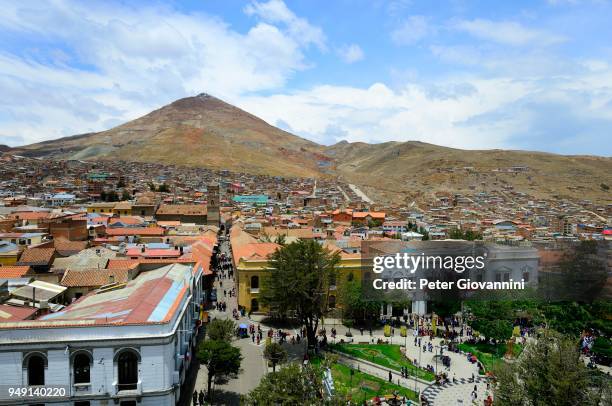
<point x="201" y="397"/>
<point x="195" y="398"/>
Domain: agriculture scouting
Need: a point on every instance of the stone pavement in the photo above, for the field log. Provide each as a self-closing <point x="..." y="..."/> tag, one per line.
<point x="253" y="367"/>
<point x="458" y="393"/>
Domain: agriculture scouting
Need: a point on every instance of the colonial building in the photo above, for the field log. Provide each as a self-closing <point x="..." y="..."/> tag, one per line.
<point x="127" y="345"/>
<point x="185" y="213"/>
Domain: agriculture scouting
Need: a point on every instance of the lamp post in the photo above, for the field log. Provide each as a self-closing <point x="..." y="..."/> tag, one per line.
<point x="416" y="370"/>
<point x="436" y="358"/>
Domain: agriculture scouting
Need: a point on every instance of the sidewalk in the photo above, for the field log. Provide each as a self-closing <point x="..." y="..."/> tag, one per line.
<point x="253" y="366"/>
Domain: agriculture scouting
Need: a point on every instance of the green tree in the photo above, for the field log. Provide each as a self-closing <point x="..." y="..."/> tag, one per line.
<point x="221" y="330"/>
<point x="152" y="187"/>
<point x="549" y="372"/>
<point x="275" y="353"/>
<point x="121" y="183"/>
<point x="112" y="196"/>
<point x="163" y="188"/>
<point x="126" y="195"/>
<point x="356" y="304"/>
<point x="584" y="272"/>
<point x="291" y="385"/>
<point x="298" y="282"/>
<point x="494" y="319"/>
<point x="469" y="235"/>
<point x="281" y="239"/>
<point x="220" y="358"/>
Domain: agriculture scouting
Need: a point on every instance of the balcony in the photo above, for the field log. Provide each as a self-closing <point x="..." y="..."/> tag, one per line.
<point x="128" y="389"/>
<point x="80" y="389"/>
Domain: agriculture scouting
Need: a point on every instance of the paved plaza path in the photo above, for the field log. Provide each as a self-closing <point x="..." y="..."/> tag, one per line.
<point x="459" y="393"/>
<point x="253" y="367"/>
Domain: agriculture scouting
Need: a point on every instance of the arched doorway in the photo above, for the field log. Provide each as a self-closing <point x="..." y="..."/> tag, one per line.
<point x="332" y="302"/>
<point x="81" y="366"/>
<point x="36" y="370"/>
<point x="127" y="366"/>
<point x="254" y="305"/>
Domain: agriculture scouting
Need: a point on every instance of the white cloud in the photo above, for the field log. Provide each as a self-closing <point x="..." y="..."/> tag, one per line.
<point x="462" y="112"/>
<point x="113" y="64"/>
<point x="412" y="30"/>
<point x="276" y="11"/>
<point x="351" y="53"/>
<point x="506" y="32"/>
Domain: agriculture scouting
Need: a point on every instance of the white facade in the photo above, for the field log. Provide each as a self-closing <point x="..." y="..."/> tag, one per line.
<point x="159" y="354"/>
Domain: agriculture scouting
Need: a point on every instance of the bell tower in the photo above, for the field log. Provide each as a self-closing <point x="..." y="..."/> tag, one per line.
<point x="212" y="206"/>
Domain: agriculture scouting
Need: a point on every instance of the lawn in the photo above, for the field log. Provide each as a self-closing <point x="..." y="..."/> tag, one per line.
<point x="489" y="354"/>
<point x="364" y="386"/>
<point x="386" y="355"/>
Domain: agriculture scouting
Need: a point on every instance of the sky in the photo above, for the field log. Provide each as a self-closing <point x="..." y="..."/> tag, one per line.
<point x="534" y="75"/>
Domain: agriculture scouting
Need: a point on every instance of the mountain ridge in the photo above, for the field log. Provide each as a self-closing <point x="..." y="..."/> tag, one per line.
<point x="221" y="136"/>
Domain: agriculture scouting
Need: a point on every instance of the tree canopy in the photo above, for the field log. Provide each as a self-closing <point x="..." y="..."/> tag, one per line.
<point x="298" y="282"/>
<point x="291" y="385"/>
<point x="219" y="358"/>
<point x="221" y="329"/>
<point x="275" y="353"/>
<point x="549" y="372"/>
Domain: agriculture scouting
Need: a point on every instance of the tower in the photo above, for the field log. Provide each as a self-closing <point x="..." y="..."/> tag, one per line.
<point x="212" y="216"/>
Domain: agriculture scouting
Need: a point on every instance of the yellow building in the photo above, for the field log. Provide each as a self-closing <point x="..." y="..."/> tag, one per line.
<point x="9" y="257"/>
<point x="250" y="258"/>
<point x="101" y="207"/>
<point x="123" y="208"/>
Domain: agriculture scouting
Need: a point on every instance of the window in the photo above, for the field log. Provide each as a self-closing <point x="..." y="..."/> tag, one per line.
<point x="127" y="366"/>
<point x="255" y="282"/>
<point x="81" y="365"/>
<point x="82" y="403"/>
<point x="526" y="276"/>
<point x="254" y="305"/>
<point x="502" y="276"/>
<point x="332" y="279"/>
<point x="128" y="403"/>
<point x="36" y="369"/>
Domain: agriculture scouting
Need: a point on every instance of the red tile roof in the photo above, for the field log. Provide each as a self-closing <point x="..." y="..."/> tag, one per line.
<point x="94" y="277"/>
<point x="66" y="247"/>
<point x="126" y="220"/>
<point x="36" y="256"/>
<point x="10" y="272"/>
<point x="182" y="209"/>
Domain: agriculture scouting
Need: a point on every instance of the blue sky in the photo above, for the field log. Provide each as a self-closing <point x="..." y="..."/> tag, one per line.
<point x="531" y="75"/>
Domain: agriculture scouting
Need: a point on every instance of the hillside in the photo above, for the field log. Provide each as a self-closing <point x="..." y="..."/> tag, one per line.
<point x="195" y="131"/>
<point x="205" y="131"/>
<point x="406" y="171"/>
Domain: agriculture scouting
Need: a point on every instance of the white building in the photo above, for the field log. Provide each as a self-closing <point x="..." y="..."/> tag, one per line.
<point x="124" y="345"/>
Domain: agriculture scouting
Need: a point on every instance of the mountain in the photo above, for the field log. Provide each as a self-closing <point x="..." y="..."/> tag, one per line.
<point x="205" y="131"/>
<point x="196" y="131"/>
<point x="406" y="171"/>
